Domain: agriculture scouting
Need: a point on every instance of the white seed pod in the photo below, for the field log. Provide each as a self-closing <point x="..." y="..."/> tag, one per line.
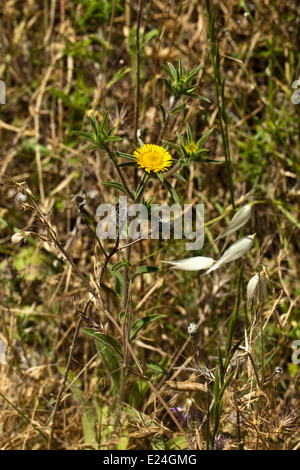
<point x="2" y="352"/>
<point x="257" y="289"/>
<point x="238" y="220"/>
<point x="236" y="251"/>
<point x="191" y="264"/>
<point x="19" y="236"/>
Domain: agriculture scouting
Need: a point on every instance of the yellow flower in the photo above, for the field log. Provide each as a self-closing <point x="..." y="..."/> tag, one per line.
<point x="191" y="147"/>
<point x="153" y="158"/>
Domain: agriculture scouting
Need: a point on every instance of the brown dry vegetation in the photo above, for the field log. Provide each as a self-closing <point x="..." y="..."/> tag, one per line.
<point x="58" y="60"/>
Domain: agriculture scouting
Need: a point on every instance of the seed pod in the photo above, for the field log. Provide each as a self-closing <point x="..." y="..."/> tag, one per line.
<point x="238" y="220"/>
<point x="191" y="264"/>
<point x="257" y="289"/>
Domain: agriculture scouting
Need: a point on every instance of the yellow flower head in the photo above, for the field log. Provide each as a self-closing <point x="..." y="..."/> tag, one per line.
<point x="153" y="158"/>
<point x="191" y="147"/>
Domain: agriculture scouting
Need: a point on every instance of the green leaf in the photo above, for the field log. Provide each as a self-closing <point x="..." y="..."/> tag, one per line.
<point x="125" y="155"/>
<point x="118" y="265"/>
<point x="180" y="68"/>
<point x="177" y="443"/>
<point x="95" y="124"/>
<point x="160" y="177"/>
<point x="203" y="139"/>
<point x="140" y="387"/>
<point x="178" y="108"/>
<point x="92" y="147"/>
<point x="111" y="131"/>
<point x="120" y="74"/>
<point x="121" y="316"/>
<point x="105" y="340"/>
<point x="169" y="72"/>
<point x="168" y="84"/>
<point x="216" y="387"/>
<point x="190" y="90"/>
<point x="157" y="443"/>
<point x="171" y="144"/>
<point x="207" y="160"/>
<point x="199" y="97"/>
<point x="224" y="386"/>
<point x="142" y="323"/>
<point x="114" y="138"/>
<point x="189" y="133"/>
<point x="155" y="368"/>
<point x="119" y="283"/>
<point x="127" y="164"/>
<point x="160" y="106"/>
<point x="145" y="270"/>
<point x="181" y="138"/>
<point x="87" y="135"/>
<point x="180" y="177"/>
<point x="221" y="365"/>
<point x="172" y="70"/>
<point x="105" y="119"/>
<point x="194" y="72"/>
<point x="113" y="367"/>
<point x="150" y="35"/>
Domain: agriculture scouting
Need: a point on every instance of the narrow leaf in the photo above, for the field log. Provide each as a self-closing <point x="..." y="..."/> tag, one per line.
<point x="172" y="191"/>
<point x="114" y="184"/>
<point x="87" y="135"/>
<point x="145" y="270"/>
<point x="105" y="340"/>
<point x="163" y="112"/>
<point x="178" y="108"/>
<point x="180" y="177"/>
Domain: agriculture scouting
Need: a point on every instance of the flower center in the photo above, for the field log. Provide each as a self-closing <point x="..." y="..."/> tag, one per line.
<point x="152" y="158"/>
